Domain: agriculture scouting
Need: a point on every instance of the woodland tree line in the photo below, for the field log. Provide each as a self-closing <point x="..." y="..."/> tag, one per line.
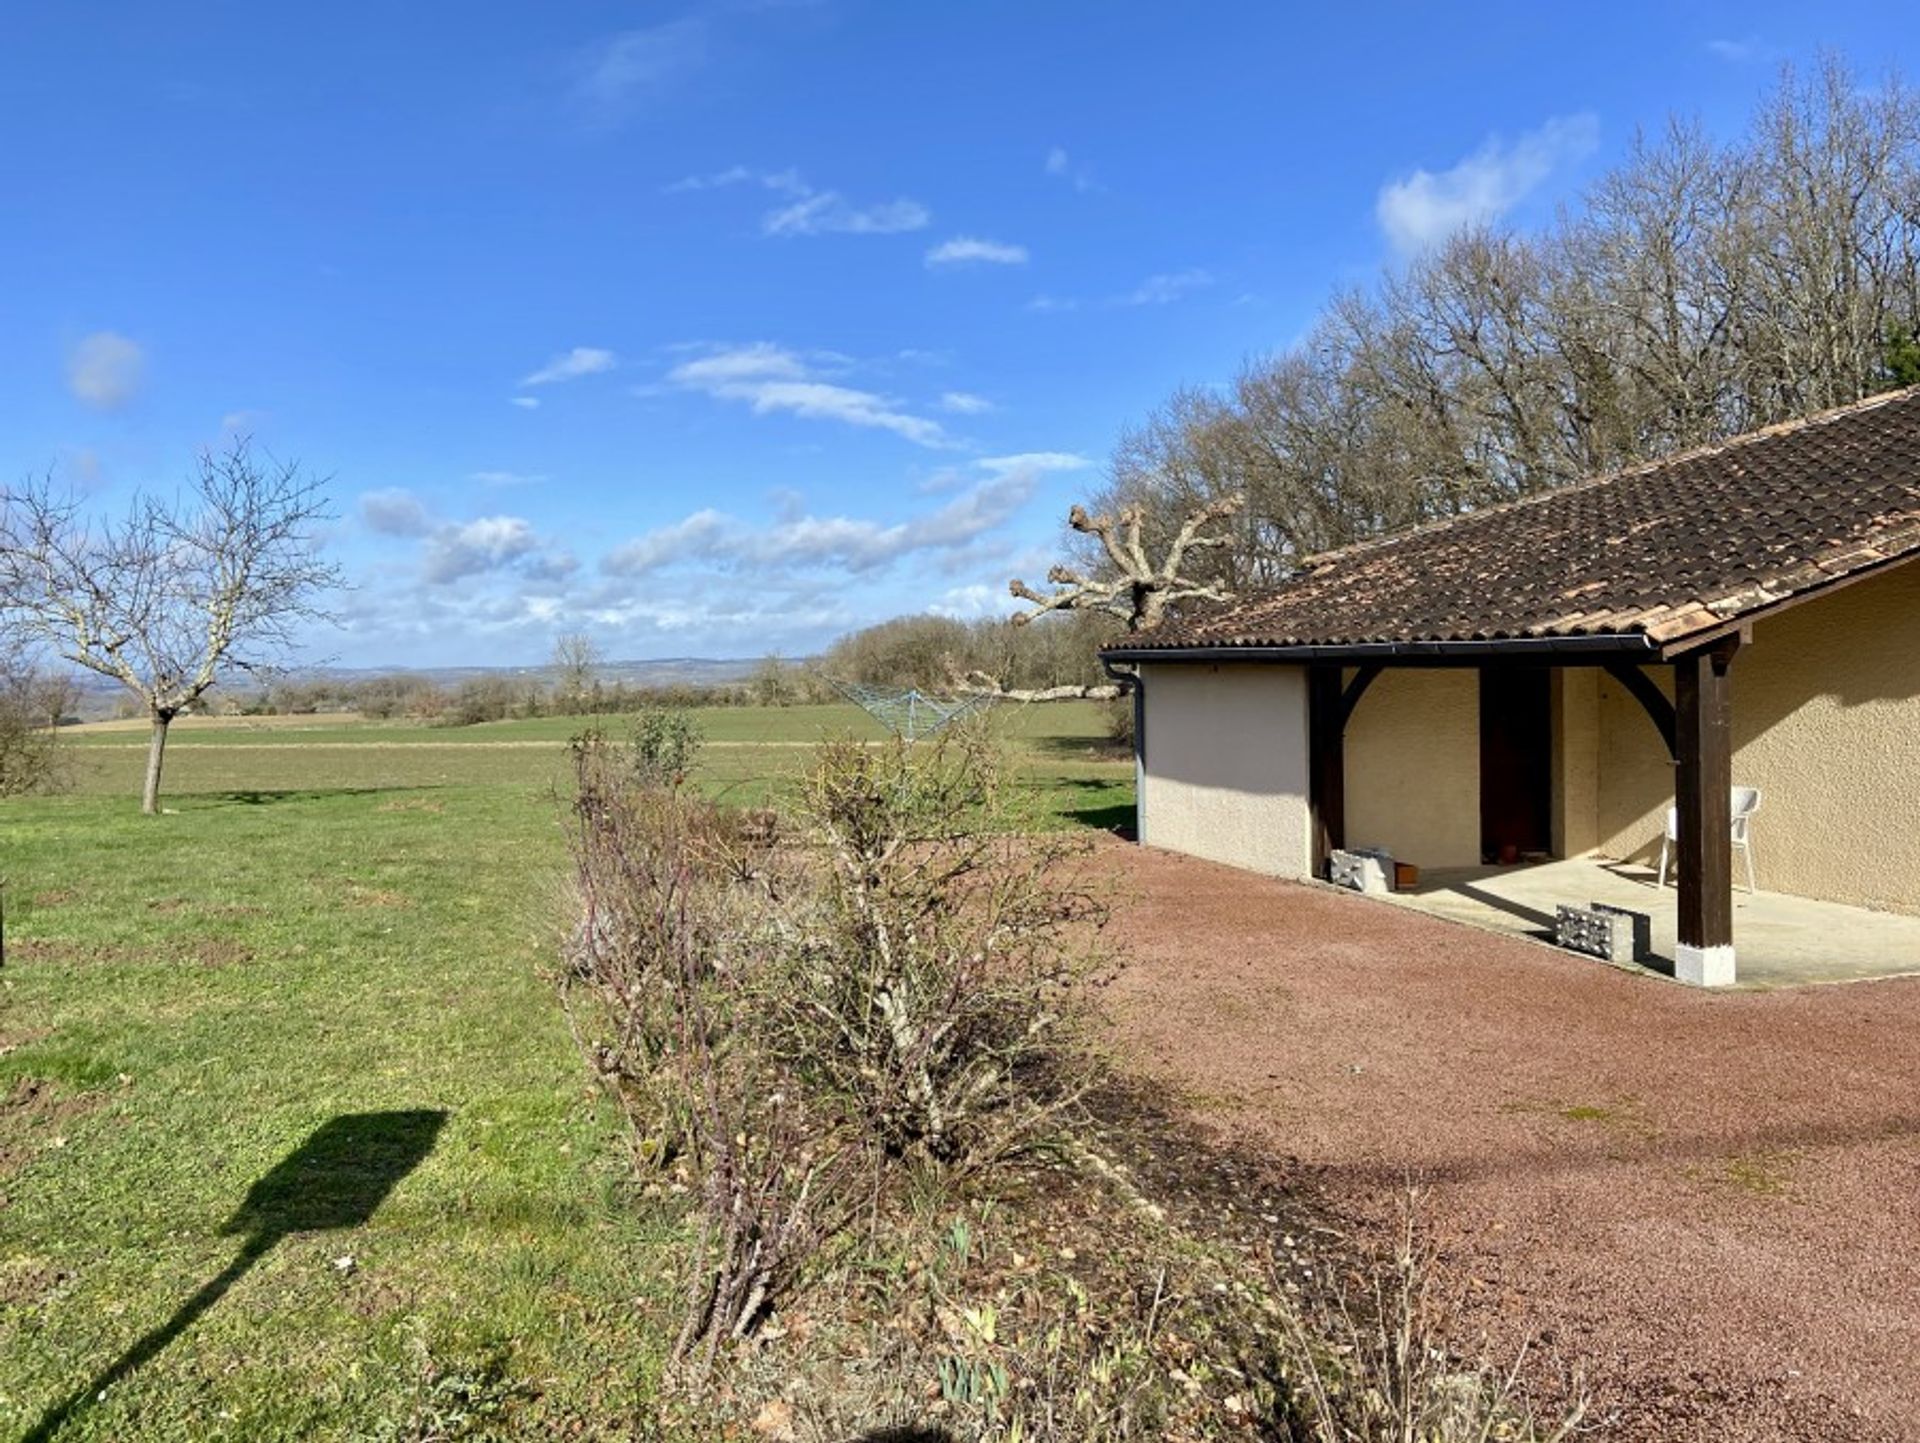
<point x="1700" y="289"/>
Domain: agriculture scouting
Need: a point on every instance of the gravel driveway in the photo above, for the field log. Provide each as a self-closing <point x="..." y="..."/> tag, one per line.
<point x="1710" y="1202"/>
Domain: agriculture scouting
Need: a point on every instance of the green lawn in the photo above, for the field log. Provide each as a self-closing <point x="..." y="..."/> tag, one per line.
<point x="321" y="975"/>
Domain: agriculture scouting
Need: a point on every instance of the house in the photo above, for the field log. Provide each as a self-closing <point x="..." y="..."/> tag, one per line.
<point x="1545" y="678"/>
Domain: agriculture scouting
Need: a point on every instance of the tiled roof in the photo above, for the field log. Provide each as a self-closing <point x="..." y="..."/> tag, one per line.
<point x="1668" y="549"/>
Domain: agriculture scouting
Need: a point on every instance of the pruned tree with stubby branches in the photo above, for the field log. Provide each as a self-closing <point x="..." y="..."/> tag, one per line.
<point x="176" y="593"/>
<point x="1134" y="589"/>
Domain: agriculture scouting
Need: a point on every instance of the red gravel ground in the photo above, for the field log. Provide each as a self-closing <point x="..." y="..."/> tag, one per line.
<point x="1711" y="1202"/>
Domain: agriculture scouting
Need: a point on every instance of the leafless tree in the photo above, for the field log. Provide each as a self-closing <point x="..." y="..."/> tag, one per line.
<point x="175" y="593"/>
<point x="1133" y="588"/>
<point x="576" y="662"/>
<point x="1698" y="290"/>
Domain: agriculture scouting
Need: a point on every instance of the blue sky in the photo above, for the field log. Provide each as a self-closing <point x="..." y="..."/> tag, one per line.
<point x="716" y="329"/>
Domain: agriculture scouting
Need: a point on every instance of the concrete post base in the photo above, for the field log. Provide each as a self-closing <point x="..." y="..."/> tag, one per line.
<point x="1704" y="966"/>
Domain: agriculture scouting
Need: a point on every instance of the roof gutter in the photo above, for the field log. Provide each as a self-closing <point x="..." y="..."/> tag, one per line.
<point x="1608" y="644"/>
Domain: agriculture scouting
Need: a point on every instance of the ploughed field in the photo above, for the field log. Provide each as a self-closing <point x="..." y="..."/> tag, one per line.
<point x="293" y="1139"/>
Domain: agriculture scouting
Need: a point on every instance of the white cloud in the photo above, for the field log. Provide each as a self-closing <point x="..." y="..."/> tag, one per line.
<point x="965" y="403"/>
<point x="628" y="69"/>
<point x="106" y="370"/>
<point x="828" y="212"/>
<point x="1033" y="463"/>
<point x="805" y="543"/>
<point x="471" y="547"/>
<point x="771" y="379"/>
<point x="571" y="365"/>
<point x="525" y="403"/>
<point x="1162" y="290"/>
<point x="970" y="603"/>
<point x="965" y="249"/>
<point x="1425" y="208"/>
<point x="394" y="512"/>
<point x="1045" y="303"/>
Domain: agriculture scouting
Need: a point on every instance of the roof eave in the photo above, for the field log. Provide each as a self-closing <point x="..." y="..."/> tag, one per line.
<point x="1595" y="647"/>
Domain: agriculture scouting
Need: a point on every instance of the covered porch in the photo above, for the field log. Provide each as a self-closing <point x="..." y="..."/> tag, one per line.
<point x="1521" y="772"/>
<point x="1785" y="941"/>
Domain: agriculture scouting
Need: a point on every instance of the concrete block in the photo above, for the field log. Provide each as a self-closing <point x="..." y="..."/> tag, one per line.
<point x="1606" y="935"/>
<point x="1640" y="922"/>
<point x="1364" y="871"/>
<point x="1704" y="966"/>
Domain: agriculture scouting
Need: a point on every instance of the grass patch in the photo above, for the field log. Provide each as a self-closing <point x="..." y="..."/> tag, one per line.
<point x="338" y="922"/>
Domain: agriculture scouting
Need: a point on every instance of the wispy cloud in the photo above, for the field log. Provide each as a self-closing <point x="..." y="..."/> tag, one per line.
<point x="972" y="250"/>
<point x="1425" y="207"/>
<point x="571" y="365"/>
<point x="809" y="210"/>
<point x="525" y="403"/>
<point x="622" y="72"/>
<point x="965" y="403"/>
<point x="1060" y="165"/>
<point x="507" y="478"/>
<point x="1161" y="290"/>
<point x="771" y="379"/>
<point x="788" y="181"/>
<point x="806" y="542"/>
<point x="827" y="212"/>
<point x="106" y="371"/>
<point x="1036" y="463"/>
<point x="1739" y="52"/>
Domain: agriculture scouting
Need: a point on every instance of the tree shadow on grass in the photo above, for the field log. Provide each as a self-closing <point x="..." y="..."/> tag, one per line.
<point x="268" y="796"/>
<point x="336" y="1179"/>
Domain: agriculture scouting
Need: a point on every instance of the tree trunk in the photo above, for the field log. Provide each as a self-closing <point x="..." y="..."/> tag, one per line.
<point x="156" y="749"/>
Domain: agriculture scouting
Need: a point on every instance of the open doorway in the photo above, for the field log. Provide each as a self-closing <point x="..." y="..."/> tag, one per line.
<point x="1516" y="764"/>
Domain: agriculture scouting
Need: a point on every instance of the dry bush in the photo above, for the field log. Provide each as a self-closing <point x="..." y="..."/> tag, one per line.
<point x="31" y="702"/>
<point x="1373" y="1362"/>
<point x="934" y="990"/>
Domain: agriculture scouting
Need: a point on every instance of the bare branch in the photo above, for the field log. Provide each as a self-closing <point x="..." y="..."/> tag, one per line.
<point x="1140" y="592"/>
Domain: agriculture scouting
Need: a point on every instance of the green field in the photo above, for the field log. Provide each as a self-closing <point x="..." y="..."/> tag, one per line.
<point x="295" y="1143"/>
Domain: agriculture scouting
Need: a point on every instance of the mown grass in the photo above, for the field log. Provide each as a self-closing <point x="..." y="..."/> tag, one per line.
<point x="345" y="935"/>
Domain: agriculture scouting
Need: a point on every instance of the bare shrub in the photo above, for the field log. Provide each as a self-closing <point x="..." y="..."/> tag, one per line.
<point x="1374" y="1364"/>
<point x="31" y="703"/>
<point x="940" y="951"/>
<point x="679" y="908"/>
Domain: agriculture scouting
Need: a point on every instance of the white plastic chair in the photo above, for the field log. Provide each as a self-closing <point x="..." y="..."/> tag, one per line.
<point x="1746" y="801"/>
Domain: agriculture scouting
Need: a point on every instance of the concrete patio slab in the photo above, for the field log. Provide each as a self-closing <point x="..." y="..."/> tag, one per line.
<point x="1779" y="941"/>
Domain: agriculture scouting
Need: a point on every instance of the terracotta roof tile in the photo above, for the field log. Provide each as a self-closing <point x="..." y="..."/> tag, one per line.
<point x="1675" y="547"/>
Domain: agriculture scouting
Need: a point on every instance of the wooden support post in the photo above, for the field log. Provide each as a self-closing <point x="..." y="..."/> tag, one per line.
<point x="1703" y="790"/>
<point x="1327" y="762"/>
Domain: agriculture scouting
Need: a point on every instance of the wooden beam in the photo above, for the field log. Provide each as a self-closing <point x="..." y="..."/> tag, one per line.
<point x="1326" y="762"/>
<point x="1703" y="788"/>
<point x="1652" y="700"/>
<point x="1357" y="688"/>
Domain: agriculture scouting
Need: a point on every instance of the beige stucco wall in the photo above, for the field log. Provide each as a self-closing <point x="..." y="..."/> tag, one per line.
<point x="1413" y="766"/>
<point x="1826" y="721"/>
<point x="1226" y="765"/>
<point x="1576" y="760"/>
